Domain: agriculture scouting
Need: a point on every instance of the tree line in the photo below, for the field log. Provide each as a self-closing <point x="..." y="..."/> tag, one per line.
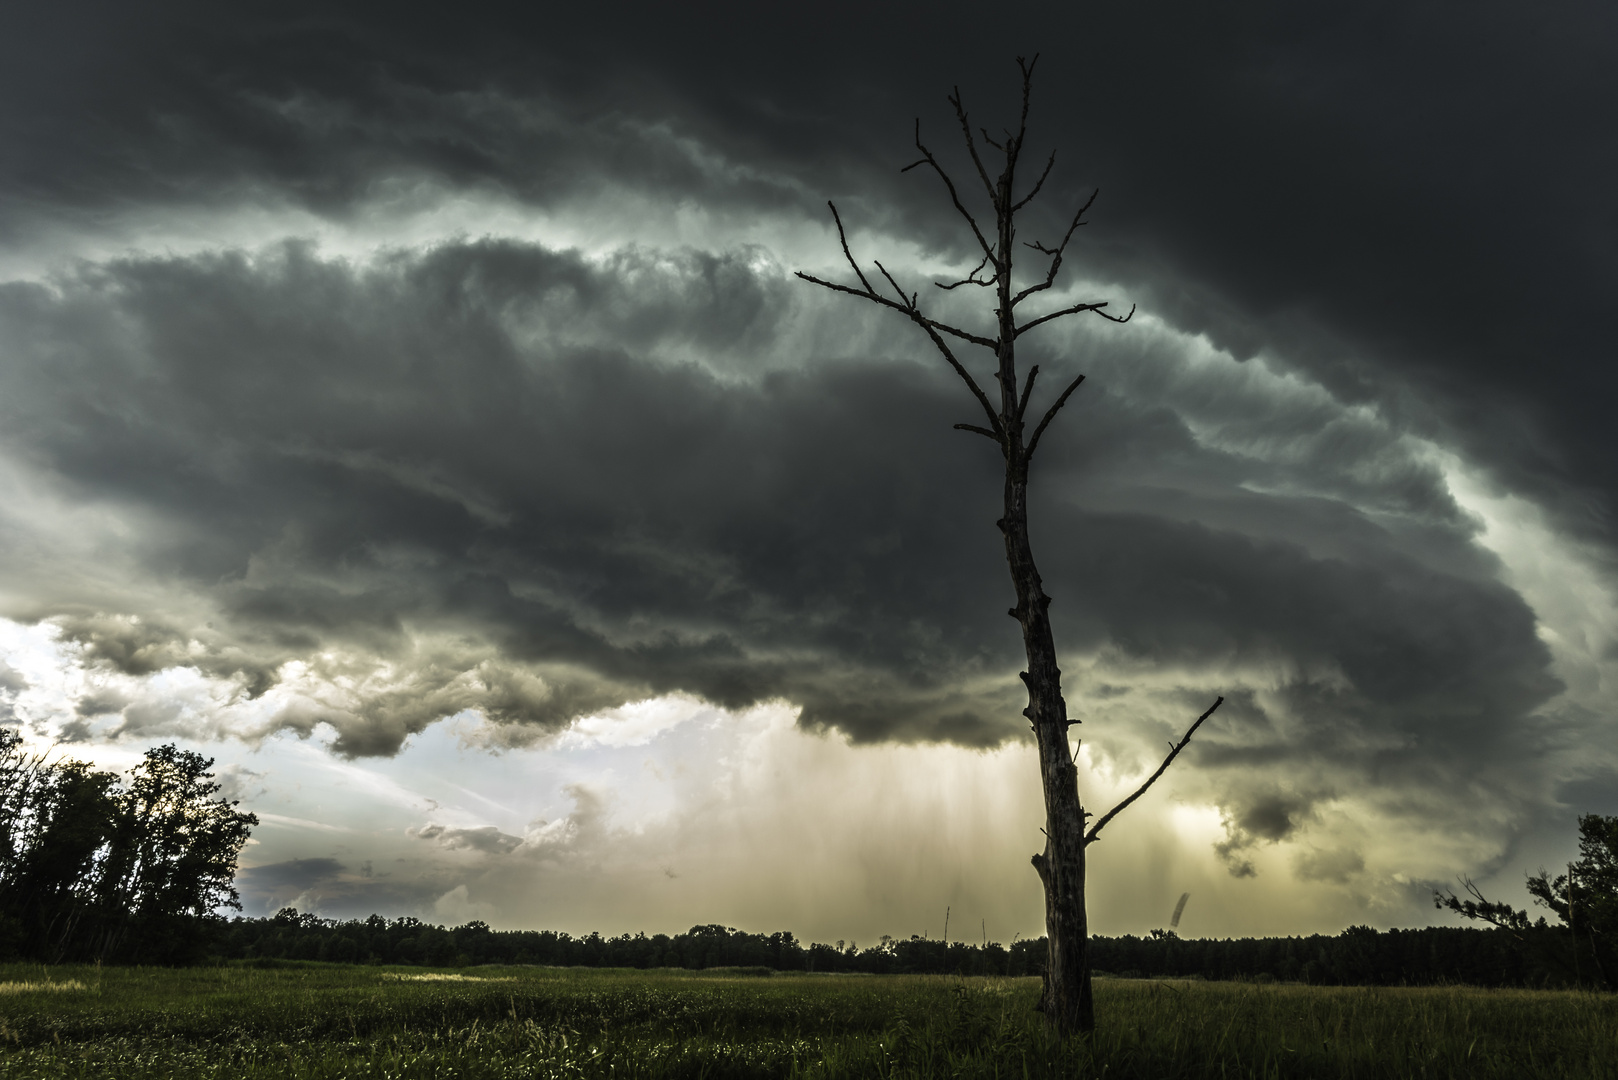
<point x="1358" y="956"/>
<point x="1517" y="951"/>
<point x="94" y="867"/>
<point x="97" y="867"/>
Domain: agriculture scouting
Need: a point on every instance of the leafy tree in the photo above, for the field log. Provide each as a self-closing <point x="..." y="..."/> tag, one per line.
<point x="1585" y="899"/>
<point x="20" y="776"/>
<point x="57" y="822"/>
<point x="177" y="859"/>
<point x="19" y="773"/>
<point x="1066" y="1001"/>
<point x="92" y="870"/>
<point x="77" y="818"/>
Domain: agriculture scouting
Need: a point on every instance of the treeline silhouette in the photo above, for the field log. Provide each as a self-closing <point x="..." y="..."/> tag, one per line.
<point x="1358" y="956"/>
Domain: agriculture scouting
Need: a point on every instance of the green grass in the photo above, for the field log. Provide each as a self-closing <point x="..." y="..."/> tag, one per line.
<point x="340" y="1021"/>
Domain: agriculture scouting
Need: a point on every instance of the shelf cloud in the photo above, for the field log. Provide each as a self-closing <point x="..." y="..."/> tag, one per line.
<point x="358" y="376"/>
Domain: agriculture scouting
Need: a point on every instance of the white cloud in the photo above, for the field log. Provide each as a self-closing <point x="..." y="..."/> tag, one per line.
<point x="457" y="907"/>
<point x="635" y="724"/>
<point x="1567" y="582"/>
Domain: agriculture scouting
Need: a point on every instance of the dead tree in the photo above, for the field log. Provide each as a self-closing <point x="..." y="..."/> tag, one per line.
<point x="1066" y="1001"/>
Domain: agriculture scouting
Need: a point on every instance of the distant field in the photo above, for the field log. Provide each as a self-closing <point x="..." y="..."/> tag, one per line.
<point x="405" y="1023"/>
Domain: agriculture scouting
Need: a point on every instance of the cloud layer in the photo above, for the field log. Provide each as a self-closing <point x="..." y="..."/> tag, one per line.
<point x="359" y="374"/>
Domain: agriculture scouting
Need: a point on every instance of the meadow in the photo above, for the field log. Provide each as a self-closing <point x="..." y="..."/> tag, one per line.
<point x="329" y="1020"/>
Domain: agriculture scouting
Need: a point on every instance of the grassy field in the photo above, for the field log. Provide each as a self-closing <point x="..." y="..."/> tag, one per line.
<point x="339" y="1021"/>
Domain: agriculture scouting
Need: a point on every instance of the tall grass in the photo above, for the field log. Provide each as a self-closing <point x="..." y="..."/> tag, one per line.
<point x="334" y="1021"/>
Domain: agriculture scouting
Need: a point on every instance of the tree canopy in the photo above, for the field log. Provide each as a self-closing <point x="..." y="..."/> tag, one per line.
<point x="92" y="868"/>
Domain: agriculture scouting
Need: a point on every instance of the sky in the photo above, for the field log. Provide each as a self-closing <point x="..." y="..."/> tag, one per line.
<point x="413" y="408"/>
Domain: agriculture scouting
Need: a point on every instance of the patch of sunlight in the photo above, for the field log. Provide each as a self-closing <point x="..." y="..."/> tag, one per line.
<point x="46" y="987"/>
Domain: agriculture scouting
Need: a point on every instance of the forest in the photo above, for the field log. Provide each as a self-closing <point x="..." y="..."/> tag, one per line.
<point x="1359" y="956"/>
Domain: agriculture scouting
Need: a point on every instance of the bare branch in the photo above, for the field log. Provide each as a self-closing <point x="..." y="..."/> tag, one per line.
<point x="955" y="331"/>
<point x="910" y="301"/>
<point x="972" y="147"/>
<point x="1074" y="310"/>
<point x="931" y="326"/>
<point x="1090" y="837"/>
<point x="906" y="304"/>
<point x="1027" y="389"/>
<point x="971" y="384"/>
<point x="865" y="292"/>
<point x="935" y="329"/>
<point x="908" y="307"/>
<point x="1050" y="414"/>
<point x="1028" y="198"/>
<point x="1056" y="252"/>
<point x="980" y="431"/>
<point x="969" y="279"/>
<point x="842" y="238"/>
<point x="1027" y="87"/>
<point x="1014" y="143"/>
<point x="1504" y="916"/>
<point x="928" y="159"/>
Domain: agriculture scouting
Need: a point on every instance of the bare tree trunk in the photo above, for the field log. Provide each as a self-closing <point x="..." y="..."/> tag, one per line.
<point x="1066" y="1002"/>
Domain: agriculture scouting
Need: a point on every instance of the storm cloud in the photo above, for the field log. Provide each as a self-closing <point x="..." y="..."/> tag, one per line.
<point x="356" y="374"/>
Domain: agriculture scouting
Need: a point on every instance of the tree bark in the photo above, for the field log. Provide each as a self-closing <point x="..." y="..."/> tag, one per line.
<point x="1066" y="1000"/>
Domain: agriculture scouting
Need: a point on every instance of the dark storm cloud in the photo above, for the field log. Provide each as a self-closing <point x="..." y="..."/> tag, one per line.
<point x="1266" y="816"/>
<point x="1411" y="202"/>
<point x="294" y="876"/>
<point x="640" y="525"/>
<point x="329" y="887"/>
<point x="433" y="462"/>
<point x="495" y="476"/>
<point x="1399" y="640"/>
